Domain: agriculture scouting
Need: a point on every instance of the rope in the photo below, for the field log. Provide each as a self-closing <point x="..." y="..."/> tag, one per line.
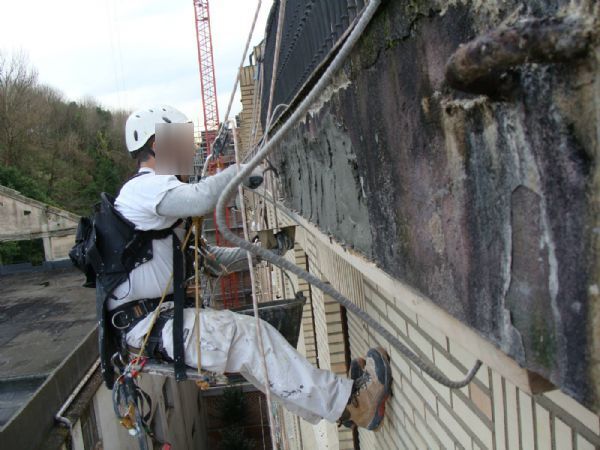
<point x="280" y="18"/>
<point x="268" y="148"/>
<point x="126" y="386"/>
<point x="254" y="299"/>
<point x="273" y="185"/>
<point x="261" y="346"/>
<point x="155" y="315"/>
<point x="197" y="230"/>
<point x="235" y="85"/>
<point x="156" y="312"/>
<point x="239" y="73"/>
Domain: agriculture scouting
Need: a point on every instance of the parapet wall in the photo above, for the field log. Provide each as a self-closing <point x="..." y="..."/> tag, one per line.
<point x="22" y="218"/>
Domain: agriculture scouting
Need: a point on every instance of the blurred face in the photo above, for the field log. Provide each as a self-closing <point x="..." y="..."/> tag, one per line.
<point x="174" y="148"/>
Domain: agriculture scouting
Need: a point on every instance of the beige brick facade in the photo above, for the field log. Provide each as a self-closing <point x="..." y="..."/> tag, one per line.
<point x="496" y="411"/>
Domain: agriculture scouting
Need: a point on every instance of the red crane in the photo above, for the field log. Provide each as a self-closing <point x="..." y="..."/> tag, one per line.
<point x="206" y="64"/>
<point x="208" y="85"/>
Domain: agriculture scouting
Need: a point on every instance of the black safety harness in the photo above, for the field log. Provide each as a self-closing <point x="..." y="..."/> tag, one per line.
<point x="108" y="247"/>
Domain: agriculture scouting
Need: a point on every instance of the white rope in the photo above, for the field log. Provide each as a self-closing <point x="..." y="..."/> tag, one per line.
<point x="235" y="84"/>
<point x="245" y="227"/>
<point x="197" y="225"/>
<point x="261" y="346"/>
<point x="272" y="181"/>
<point x="239" y="72"/>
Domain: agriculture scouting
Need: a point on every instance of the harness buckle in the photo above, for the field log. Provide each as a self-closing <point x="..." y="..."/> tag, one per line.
<point x="112" y="320"/>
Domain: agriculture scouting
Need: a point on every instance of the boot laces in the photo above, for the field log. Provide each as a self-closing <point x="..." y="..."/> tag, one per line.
<point x="360" y="383"/>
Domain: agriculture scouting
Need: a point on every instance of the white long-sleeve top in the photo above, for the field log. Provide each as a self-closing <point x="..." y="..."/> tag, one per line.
<point x="154" y="202"/>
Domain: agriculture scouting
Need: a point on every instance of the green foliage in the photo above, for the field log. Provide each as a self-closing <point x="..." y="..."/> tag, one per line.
<point x="59" y="152"/>
<point x="13" y="178"/>
<point x="232" y="405"/>
<point x="22" y="251"/>
<point x="234" y="439"/>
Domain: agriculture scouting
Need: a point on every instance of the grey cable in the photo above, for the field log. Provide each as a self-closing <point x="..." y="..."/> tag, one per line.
<point x="268" y="126"/>
<point x="283" y="263"/>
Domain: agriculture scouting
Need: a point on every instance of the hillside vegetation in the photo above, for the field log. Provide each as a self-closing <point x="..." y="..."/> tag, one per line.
<point x="54" y="150"/>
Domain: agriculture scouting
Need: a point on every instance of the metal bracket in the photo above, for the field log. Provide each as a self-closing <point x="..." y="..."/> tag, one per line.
<point x="281" y="241"/>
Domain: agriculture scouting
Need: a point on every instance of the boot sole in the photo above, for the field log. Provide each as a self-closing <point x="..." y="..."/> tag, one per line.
<point x="384" y="376"/>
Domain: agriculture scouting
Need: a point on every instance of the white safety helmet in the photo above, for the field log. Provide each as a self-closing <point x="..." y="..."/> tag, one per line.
<point x="141" y="124"/>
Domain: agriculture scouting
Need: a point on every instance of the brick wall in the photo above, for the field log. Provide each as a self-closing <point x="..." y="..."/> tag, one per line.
<point x="247" y="134"/>
<point x="490" y="413"/>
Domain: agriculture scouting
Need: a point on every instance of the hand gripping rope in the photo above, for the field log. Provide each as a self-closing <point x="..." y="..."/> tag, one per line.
<point x="269" y="147"/>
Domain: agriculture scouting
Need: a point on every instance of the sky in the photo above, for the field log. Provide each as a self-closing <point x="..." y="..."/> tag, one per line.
<point x="130" y="54"/>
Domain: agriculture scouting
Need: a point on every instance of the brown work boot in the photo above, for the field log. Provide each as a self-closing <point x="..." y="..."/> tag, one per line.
<point x="357" y="367"/>
<point x="366" y="406"/>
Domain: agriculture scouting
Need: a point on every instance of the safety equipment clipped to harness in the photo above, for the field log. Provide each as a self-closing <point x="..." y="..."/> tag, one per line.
<point x="107" y="249"/>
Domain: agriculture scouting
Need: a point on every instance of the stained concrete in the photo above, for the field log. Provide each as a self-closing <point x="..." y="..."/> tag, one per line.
<point x="490" y="208"/>
<point x="322" y="171"/>
<point x="44" y="316"/>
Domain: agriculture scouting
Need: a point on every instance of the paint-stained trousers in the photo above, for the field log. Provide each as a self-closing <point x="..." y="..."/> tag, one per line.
<point x="229" y="343"/>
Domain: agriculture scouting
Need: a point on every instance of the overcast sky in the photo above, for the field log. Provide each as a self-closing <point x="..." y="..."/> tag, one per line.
<point x="129" y="53"/>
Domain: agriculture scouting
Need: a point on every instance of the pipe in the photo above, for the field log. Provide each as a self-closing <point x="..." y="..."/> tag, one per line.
<point x="483" y="65"/>
<point x="59" y="415"/>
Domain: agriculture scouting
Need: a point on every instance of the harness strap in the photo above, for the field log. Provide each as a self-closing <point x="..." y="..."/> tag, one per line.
<point x="154" y="347"/>
<point x="127" y="316"/>
<point x="179" y="300"/>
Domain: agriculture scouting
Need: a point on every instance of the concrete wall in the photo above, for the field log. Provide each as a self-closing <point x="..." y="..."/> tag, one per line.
<point x="57" y="248"/>
<point x="487" y="208"/>
<point x="46" y="401"/>
<point x="22" y="218"/>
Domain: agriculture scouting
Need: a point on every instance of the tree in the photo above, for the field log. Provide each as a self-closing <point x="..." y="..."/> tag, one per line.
<point x="17" y="107"/>
<point x="56" y="151"/>
<point x="68" y="151"/>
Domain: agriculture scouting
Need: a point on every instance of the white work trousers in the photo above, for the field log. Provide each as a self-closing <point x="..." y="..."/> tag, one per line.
<point x="230" y="344"/>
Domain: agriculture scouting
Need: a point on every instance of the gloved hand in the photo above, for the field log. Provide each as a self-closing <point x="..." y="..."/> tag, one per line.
<point x="255" y="179"/>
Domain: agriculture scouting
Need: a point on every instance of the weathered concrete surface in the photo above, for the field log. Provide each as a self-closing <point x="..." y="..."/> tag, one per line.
<point x="22" y="218"/>
<point x="47" y="343"/>
<point x="43" y="317"/>
<point x="321" y="170"/>
<point x="489" y="208"/>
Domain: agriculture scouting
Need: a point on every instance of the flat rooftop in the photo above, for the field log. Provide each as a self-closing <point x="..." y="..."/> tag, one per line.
<point x="44" y="315"/>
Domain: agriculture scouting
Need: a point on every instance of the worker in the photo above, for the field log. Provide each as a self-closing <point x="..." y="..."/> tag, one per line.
<point x="228" y="340"/>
